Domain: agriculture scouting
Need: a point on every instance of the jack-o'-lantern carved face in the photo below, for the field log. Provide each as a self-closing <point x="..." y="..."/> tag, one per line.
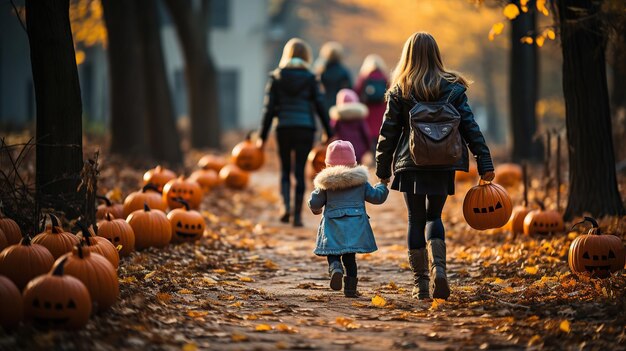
<point x="187" y="224"/>
<point x="57" y="300"/>
<point x="189" y="191"/>
<point x="543" y="221"/>
<point x="487" y="206"/>
<point x="596" y="254"/>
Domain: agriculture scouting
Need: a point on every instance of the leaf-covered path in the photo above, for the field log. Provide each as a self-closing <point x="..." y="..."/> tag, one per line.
<point x="254" y="284"/>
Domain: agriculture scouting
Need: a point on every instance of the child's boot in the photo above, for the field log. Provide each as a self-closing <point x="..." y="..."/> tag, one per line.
<point x="439" y="288"/>
<point x="418" y="260"/>
<point x="335" y="270"/>
<point x="349" y="286"/>
<point x="297" y="213"/>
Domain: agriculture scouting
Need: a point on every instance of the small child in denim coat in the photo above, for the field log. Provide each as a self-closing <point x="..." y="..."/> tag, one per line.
<point x="341" y="190"/>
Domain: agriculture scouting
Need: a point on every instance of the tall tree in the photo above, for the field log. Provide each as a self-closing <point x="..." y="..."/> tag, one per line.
<point x="59" y="107"/>
<point x="127" y="88"/>
<point x="162" y="133"/>
<point x="593" y="183"/>
<point x="523" y="87"/>
<point x="200" y="73"/>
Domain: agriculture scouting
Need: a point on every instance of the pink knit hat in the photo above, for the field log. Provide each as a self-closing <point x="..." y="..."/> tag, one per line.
<point x="340" y="153"/>
<point x="346" y="96"/>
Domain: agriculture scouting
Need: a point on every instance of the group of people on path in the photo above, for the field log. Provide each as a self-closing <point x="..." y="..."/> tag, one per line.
<point x="387" y="114"/>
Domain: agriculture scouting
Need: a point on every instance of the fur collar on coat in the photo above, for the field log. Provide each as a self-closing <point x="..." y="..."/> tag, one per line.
<point x="341" y="177"/>
<point x="349" y="111"/>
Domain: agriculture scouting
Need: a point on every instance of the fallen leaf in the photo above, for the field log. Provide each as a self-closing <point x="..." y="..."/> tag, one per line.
<point x="378" y="301"/>
<point x="565" y="326"/>
<point x="238" y="337"/>
<point x="263" y="327"/>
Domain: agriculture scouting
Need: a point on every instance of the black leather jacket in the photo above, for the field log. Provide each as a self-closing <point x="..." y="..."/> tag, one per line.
<point x="393" y="143"/>
<point x="293" y="95"/>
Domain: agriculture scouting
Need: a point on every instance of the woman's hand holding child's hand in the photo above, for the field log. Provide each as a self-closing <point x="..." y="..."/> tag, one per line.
<point x="384" y="181"/>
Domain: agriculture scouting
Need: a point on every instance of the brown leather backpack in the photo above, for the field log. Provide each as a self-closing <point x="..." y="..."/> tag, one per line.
<point x="434" y="138"/>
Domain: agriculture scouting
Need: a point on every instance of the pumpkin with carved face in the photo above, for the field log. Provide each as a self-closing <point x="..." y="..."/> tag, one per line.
<point x="158" y="176"/>
<point x="118" y="232"/>
<point x="149" y="195"/>
<point x="317" y="159"/>
<point x="248" y="156"/>
<point x="57" y="300"/>
<point x="234" y="177"/>
<point x="596" y="254"/>
<point x="542" y="221"/>
<point x="190" y="191"/>
<point x="187" y="224"/>
<point x="487" y="206"/>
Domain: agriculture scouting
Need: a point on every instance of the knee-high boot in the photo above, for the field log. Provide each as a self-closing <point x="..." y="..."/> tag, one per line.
<point x="285" y="192"/>
<point x="419" y="265"/>
<point x="439" y="288"/>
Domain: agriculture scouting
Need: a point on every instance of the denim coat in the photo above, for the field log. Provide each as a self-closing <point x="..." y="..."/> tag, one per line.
<point x="345" y="228"/>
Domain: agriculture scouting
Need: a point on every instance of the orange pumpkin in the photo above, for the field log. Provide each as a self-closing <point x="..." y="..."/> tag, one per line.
<point x="118" y="232"/>
<point x="486" y="206"/>
<point x="24" y="261"/>
<point x="543" y="221"/>
<point x="57" y="300"/>
<point x="10" y="304"/>
<point x="317" y="159"/>
<point x="207" y="179"/>
<point x="96" y="272"/>
<point x="469" y="176"/>
<point x="516" y="222"/>
<point x="187" y="224"/>
<point x="158" y="176"/>
<point x="98" y="244"/>
<point x="234" y="177"/>
<point x="55" y="239"/>
<point x="190" y="191"/>
<point x="3" y="241"/>
<point x="151" y="228"/>
<point x="11" y="230"/>
<point x="596" y="254"/>
<point x="117" y="210"/>
<point x="212" y="162"/>
<point x="149" y="194"/>
<point x="508" y="174"/>
<point x="247" y="156"/>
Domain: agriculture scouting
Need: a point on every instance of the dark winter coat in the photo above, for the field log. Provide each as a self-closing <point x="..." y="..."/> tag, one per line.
<point x="376" y="109"/>
<point x="342" y="192"/>
<point x="393" y="142"/>
<point x="293" y="96"/>
<point x="334" y="78"/>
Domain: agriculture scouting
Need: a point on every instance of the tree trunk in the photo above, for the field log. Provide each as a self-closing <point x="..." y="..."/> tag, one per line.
<point x="618" y="95"/>
<point x="200" y="74"/>
<point x="59" y="106"/>
<point x="161" y="127"/>
<point x="593" y="184"/>
<point x="128" y="114"/>
<point x="523" y="88"/>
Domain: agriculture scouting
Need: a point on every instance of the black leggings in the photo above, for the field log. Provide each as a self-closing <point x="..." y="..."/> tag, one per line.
<point x="300" y="142"/>
<point x="424" y="219"/>
<point x="349" y="262"/>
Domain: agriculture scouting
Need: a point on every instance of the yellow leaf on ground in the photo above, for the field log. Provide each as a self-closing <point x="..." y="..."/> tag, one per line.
<point x="196" y="314"/>
<point x="190" y="347"/>
<point x="437" y="303"/>
<point x="185" y="291"/>
<point x="531" y="269"/>
<point x="236" y="304"/>
<point x="246" y="279"/>
<point x="510" y="11"/>
<point x="149" y="275"/>
<point x="565" y="326"/>
<point x="536" y="339"/>
<point x="263" y="327"/>
<point x="237" y="337"/>
<point x="128" y="280"/>
<point x="347" y="323"/>
<point x="266" y="313"/>
<point x="219" y="271"/>
<point x="164" y="297"/>
<point x="285" y="328"/>
<point x="378" y="301"/>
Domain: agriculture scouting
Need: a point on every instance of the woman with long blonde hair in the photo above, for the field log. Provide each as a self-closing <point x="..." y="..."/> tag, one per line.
<point x="421" y="90"/>
<point x="293" y="97"/>
<point x="371" y="86"/>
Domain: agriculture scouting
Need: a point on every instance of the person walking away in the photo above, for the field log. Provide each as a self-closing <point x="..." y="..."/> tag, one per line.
<point x="333" y="74"/>
<point x="341" y="191"/>
<point x="348" y="121"/>
<point x="424" y="93"/>
<point x="371" y="86"/>
<point x="293" y="97"/>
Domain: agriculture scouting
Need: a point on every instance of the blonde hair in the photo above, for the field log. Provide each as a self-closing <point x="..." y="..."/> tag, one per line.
<point x="331" y="51"/>
<point x="420" y="69"/>
<point x="295" y="48"/>
<point x="372" y="63"/>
